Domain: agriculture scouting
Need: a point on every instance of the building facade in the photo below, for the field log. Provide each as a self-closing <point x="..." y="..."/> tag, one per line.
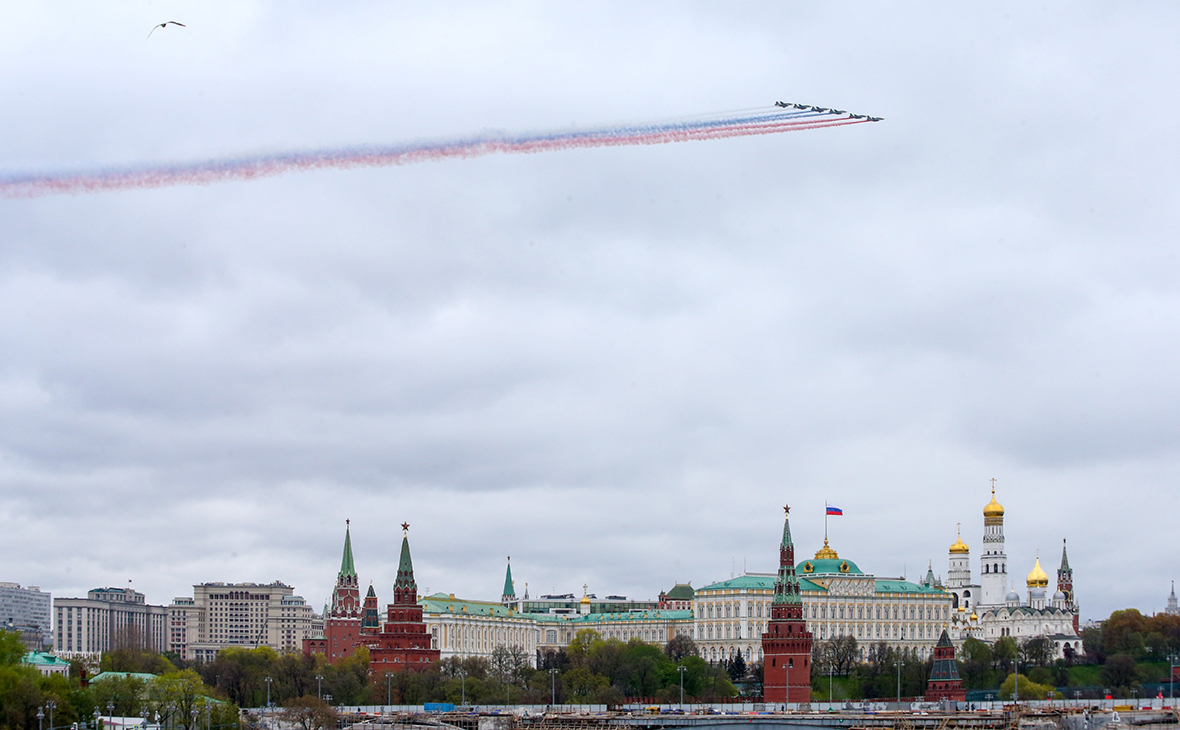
<point x="27" y="611"/>
<point x="222" y="615"/>
<point x="108" y="618"/>
<point x="838" y="600"/>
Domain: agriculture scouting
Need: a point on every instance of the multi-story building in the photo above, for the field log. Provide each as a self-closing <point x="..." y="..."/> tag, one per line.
<point x="656" y="626"/>
<point x="27" y="611"/>
<point x="838" y="599"/>
<point x="222" y="615"/>
<point x="106" y="619"/>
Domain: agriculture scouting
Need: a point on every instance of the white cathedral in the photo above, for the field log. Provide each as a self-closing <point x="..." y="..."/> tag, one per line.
<point x="992" y="609"/>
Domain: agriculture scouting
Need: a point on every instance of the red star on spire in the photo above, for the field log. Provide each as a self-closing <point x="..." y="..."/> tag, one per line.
<point x="787" y="509"/>
<point x="405" y="526"/>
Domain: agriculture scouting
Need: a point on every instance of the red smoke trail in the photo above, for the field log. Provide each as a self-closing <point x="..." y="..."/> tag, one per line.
<point x="201" y="173"/>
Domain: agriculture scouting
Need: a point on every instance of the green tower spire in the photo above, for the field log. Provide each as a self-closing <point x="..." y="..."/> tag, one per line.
<point x="347" y="569"/>
<point x="509" y="588"/>
<point x="786" y="585"/>
<point x="405" y="589"/>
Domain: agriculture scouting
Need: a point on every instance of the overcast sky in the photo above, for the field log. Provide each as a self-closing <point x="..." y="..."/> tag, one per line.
<point x="615" y="365"/>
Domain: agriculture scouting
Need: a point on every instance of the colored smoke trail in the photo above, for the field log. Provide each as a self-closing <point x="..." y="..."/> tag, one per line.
<point x="780" y="119"/>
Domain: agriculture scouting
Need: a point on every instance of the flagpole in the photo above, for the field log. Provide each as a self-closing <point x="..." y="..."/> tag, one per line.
<point x="825" y="522"/>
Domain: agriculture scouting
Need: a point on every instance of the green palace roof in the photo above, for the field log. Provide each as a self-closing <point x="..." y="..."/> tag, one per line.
<point x="680" y="592"/>
<point x="904" y="586"/>
<point x="39" y="657"/>
<point x="624" y="616"/>
<point x="103" y="676"/>
<point x="827" y="566"/>
<point x="447" y="603"/>
<point x="757" y="582"/>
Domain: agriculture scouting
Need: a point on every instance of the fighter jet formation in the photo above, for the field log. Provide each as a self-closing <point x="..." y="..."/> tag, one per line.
<point x="824" y="110"/>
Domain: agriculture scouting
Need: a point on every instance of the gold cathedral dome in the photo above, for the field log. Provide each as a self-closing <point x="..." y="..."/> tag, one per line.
<point x="993" y="508"/>
<point x="1037" y="578"/>
<point x="960" y="547"/>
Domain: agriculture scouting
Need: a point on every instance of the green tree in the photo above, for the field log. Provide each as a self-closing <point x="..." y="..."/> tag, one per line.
<point x="736" y="668"/>
<point x="1029" y="690"/>
<point x="1123" y="633"/>
<point x="178" y="696"/>
<point x="123" y="695"/>
<point x="12" y="649"/>
<point x="1004" y="653"/>
<point x="681" y="646"/>
<point x="1120" y="673"/>
<point x="975" y="665"/>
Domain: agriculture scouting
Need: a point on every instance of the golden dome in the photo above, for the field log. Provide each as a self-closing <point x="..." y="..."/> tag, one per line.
<point x="959" y="547"/>
<point x="974" y="617"/>
<point x="1037" y="578"/>
<point x="993" y="508"/>
<point x="826" y="553"/>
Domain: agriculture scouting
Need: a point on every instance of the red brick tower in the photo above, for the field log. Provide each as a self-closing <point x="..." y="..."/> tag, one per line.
<point x="786" y="645"/>
<point x="403" y="643"/>
<point x="343" y="622"/>
<point x="944" y="682"/>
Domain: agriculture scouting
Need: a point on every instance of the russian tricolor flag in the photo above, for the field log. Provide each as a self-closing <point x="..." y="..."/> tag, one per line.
<point x="835" y="510"/>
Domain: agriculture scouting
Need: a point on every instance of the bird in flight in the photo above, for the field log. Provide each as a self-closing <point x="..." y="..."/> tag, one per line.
<point x="165" y="24"/>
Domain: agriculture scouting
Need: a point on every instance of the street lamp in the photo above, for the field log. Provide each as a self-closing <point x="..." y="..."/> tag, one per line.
<point x="1172" y="676"/>
<point x="898" y="663"/>
<point x="194" y="712"/>
<point x="40" y="717"/>
<point x="97" y="715"/>
<point x="552" y="687"/>
<point x="50" y="705"/>
<point x="319" y="689"/>
<point x="680" y="670"/>
<point x="110" y="708"/>
<point x="463" y="685"/>
<point x="328" y="699"/>
<point x="388" y="691"/>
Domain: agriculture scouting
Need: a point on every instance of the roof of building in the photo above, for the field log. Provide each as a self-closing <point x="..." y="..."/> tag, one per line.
<point x="509" y="588"/>
<point x="893" y="585"/>
<point x="830" y="566"/>
<point x="993" y="508"/>
<point x="620" y="617"/>
<point x="42" y="658"/>
<point x="1037" y="578"/>
<point x="748" y="582"/>
<point x="680" y="592"/>
<point x="103" y="676"/>
<point x="447" y="603"/>
<point x="346" y="565"/>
